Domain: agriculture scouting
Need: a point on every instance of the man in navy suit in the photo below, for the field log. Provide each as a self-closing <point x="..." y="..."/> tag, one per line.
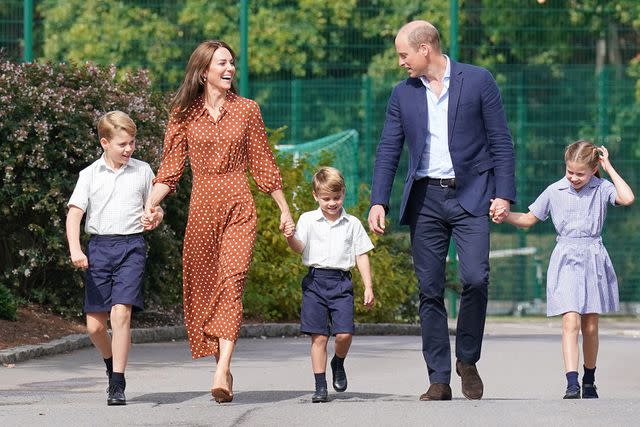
<point x="461" y="174"/>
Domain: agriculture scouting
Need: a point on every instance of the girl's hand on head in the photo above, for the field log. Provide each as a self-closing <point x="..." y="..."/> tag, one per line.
<point x="604" y="153"/>
<point x="603" y="158"/>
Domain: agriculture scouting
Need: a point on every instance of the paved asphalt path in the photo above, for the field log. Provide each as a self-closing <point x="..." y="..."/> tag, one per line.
<point x="521" y="367"/>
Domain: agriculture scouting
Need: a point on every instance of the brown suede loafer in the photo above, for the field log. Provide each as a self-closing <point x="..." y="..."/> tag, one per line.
<point x="472" y="387"/>
<point x="437" y="391"/>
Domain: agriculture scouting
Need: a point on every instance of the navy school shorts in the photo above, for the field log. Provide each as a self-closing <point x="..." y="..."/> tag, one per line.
<point x="115" y="273"/>
<point x="327" y="302"/>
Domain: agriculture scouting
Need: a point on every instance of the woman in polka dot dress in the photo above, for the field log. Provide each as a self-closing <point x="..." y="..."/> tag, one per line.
<point x="224" y="135"/>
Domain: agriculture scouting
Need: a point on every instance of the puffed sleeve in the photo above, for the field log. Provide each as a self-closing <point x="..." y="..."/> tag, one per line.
<point x="609" y="192"/>
<point x="262" y="164"/>
<point x="542" y="205"/>
<point x="174" y="153"/>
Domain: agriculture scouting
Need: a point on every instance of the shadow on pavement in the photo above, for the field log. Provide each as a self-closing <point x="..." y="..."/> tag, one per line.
<point x="168" y="397"/>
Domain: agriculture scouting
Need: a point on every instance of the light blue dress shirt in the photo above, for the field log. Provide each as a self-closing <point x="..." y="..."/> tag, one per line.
<point x="436" y="159"/>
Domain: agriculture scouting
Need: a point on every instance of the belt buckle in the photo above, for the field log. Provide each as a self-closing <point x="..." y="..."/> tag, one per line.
<point x="441" y="182"/>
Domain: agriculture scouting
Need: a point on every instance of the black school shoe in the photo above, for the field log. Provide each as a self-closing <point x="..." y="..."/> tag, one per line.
<point x="339" y="376"/>
<point x="589" y="391"/>
<point x="320" y="396"/>
<point x="116" y="395"/>
<point x="573" y="392"/>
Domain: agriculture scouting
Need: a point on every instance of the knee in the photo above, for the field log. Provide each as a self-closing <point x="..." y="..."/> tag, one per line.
<point x="120" y="315"/>
<point x="475" y="281"/>
<point x="343" y="338"/>
<point x="319" y="340"/>
<point x="571" y="326"/>
<point x="96" y="328"/>
<point x="590" y="329"/>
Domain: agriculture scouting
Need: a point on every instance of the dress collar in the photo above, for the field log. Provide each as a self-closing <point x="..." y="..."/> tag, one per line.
<point x="227" y="106"/>
<point x="565" y="184"/>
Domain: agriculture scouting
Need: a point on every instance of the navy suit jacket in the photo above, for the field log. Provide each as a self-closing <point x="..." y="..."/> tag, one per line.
<point x="480" y="143"/>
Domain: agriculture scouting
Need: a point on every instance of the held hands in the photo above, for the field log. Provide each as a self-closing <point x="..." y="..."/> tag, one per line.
<point x="287" y="226"/>
<point x="152" y="217"/>
<point x="499" y="210"/>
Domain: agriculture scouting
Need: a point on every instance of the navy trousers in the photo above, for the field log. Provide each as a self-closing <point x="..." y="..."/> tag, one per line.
<point x="434" y="217"/>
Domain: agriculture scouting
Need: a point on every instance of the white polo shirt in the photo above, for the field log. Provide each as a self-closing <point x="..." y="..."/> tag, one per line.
<point x="113" y="200"/>
<point x="331" y="244"/>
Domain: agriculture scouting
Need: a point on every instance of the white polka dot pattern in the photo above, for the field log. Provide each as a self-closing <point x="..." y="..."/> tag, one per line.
<point x="221" y="227"/>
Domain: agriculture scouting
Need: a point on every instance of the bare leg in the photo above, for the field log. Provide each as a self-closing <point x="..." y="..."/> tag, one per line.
<point x="590" y="341"/>
<point x="319" y="353"/>
<point x="97" y="330"/>
<point x="570" y="330"/>
<point x="121" y="328"/>
<point x="342" y="345"/>
<point x="221" y="378"/>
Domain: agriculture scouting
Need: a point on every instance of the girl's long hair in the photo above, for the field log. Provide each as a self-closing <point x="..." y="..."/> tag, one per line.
<point x="193" y="85"/>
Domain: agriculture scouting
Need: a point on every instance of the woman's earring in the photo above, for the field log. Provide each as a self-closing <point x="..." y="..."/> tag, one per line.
<point x="203" y="80"/>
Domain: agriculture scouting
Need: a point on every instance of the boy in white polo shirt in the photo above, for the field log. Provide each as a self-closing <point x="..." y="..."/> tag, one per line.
<point x="331" y="243"/>
<point x="112" y="191"/>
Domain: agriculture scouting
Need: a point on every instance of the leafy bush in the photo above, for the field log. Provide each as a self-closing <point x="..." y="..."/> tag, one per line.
<point x="8" y="306"/>
<point x="47" y="135"/>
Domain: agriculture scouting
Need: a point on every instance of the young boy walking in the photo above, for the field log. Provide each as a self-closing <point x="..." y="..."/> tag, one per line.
<point x="111" y="191"/>
<point x="331" y="243"/>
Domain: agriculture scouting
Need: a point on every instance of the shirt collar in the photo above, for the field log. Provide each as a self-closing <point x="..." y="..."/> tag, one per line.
<point x="565" y="184"/>
<point x="319" y="216"/>
<point x="447" y="74"/>
<point x="102" y="163"/>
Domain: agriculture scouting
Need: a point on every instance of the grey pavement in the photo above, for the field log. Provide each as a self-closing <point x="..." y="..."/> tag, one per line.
<point x="521" y="367"/>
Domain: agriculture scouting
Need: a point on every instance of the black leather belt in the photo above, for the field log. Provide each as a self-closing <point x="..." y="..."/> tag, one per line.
<point x="442" y="182"/>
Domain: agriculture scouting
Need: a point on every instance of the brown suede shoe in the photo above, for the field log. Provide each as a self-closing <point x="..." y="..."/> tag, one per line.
<point x="472" y="386"/>
<point x="437" y="391"/>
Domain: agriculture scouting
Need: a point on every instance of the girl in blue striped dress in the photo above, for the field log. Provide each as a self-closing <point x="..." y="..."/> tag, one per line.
<point x="581" y="282"/>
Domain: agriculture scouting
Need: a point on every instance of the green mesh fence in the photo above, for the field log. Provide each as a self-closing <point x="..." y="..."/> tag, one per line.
<point x="566" y="70"/>
<point x="342" y="149"/>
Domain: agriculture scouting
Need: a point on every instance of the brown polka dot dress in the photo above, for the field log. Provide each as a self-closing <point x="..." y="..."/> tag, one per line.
<point x="221" y="226"/>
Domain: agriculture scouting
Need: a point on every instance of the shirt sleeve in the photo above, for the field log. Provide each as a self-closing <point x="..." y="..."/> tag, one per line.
<point x="149" y="176"/>
<point x="80" y="195"/>
<point x="262" y="164"/>
<point x="302" y="230"/>
<point x="542" y="206"/>
<point x="361" y="241"/>
<point x="609" y="192"/>
<point x="174" y="153"/>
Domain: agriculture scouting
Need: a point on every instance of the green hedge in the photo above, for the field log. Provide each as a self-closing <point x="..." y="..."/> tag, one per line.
<point x="47" y="135"/>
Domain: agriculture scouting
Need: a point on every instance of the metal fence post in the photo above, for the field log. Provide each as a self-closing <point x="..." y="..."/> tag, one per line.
<point x="603" y="105"/>
<point x="296" y="110"/>
<point x="27" y="30"/>
<point x="521" y="159"/>
<point x="367" y="131"/>
<point x="244" y="48"/>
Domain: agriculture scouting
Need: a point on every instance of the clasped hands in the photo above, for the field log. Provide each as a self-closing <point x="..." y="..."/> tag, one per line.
<point x="499" y="210"/>
<point x="152" y="217"/>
